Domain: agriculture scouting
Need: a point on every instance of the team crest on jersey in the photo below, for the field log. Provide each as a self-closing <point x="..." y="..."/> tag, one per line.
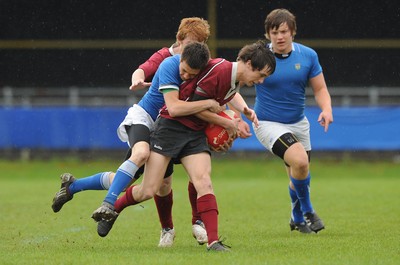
<point x="297" y="66"/>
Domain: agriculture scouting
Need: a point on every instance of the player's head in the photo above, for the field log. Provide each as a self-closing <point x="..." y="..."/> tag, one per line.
<point x="258" y="63"/>
<point x="192" y="29"/>
<point x="278" y="18"/>
<point x="194" y="58"/>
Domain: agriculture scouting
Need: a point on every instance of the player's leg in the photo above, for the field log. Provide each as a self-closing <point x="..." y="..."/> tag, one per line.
<point x="198" y="167"/>
<point x="297" y="221"/>
<point x="133" y="195"/>
<point x="139" y="138"/>
<point x="198" y="228"/>
<point x="302" y="132"/>
<point x="134" y="129"/>
<point x="71" y="185"/>
<point x="278" y="139"/>
<point x="148" y="187"/>
<point x="300" y="179"/>
<point x="104" y="227"/>
<point x="164" y="200"/>
<point x="99" y="181"/>
<point x="152" y="179"/>
<point x="295" y="157"/>
<point x="292" y="147"/>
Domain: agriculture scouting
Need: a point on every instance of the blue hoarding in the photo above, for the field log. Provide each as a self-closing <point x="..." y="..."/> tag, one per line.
<point x="354" y="128"/>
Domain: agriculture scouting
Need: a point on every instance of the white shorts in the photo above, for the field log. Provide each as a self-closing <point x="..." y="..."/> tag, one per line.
<point x="268" y="132"/>
<point x="136" y="115"/>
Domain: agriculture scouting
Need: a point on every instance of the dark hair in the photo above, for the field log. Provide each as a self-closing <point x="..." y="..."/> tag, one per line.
<point x="278" y="16"/>
<point x="259" y="55"/>
<point x="196" y="55"/>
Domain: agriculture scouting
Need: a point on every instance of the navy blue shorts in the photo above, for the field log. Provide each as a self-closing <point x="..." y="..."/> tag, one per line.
<point x="171" y="138"/>
<point x="137" y="133"/>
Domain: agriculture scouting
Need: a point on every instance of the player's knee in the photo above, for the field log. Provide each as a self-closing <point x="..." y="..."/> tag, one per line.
<point x="166" y="185"/>
<point x="140" y="155"/>
<point x="148" y="193"/>
<point x="303" y="165"/>
<point x="164" y="191"/>
<point x="111" y="177"/>
<point x="203" y="185"/>
<point x="300" y="165"/>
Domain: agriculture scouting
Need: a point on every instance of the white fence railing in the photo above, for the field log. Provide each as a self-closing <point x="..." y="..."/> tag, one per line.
<point x="121" y="96"/>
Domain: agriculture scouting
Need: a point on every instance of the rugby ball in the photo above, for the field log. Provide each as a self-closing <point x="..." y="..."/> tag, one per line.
<point x="217" y="135"/>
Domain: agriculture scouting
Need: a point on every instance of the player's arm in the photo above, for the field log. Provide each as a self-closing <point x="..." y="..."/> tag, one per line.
<point x="177" y="107"/>
<point x="138" y="80"/>
<point x="239" y="104"/>
<point x="211" y="117"/>
<point x="231" y="126"/>
<point x="243" y="127"/>
<point x="145" y="72"/>
<point x="323" y="99"/>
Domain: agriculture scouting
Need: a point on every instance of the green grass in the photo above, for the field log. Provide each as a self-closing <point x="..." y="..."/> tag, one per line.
<point x="358" y="201"/>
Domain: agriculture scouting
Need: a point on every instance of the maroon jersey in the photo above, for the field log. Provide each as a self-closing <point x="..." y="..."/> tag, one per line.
<point x="151" y="65"/>
<point x="216" y="81"/>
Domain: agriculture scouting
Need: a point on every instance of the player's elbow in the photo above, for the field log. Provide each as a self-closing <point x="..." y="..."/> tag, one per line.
<point x="174" y="111"/>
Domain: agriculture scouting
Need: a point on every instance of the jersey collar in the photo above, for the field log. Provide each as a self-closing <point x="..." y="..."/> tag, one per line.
<point x="171" y="50"/>
<point x="269" y="45"/>
<point x="234" y="73"/>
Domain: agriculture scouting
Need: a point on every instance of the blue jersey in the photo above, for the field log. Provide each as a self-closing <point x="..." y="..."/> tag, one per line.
<point x="281" y="97"/>
<point x="167" y="76"/>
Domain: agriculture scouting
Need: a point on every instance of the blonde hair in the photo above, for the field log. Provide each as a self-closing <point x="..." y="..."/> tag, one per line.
<point x="195" y="27"/>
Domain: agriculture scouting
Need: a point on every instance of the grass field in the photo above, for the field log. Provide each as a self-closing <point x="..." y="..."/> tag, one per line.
<point x="358" y="201"/>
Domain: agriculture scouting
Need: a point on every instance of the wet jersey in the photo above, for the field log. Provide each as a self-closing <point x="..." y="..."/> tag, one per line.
<point x="216" y="81"/>
<point x="281" y="97"/>
<point x="167" y="76"/>
<point x="151" y="65"/>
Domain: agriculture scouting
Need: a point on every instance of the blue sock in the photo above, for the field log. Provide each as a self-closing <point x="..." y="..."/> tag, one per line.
<point x="124" y="175"/>
<point x="297" y="214"/>
<point x="303" y="193"/>
<point x="99" y="181"/>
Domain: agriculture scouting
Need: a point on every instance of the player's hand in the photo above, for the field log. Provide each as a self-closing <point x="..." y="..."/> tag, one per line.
<point x="251" y="115"/>
<point x="139" y="84"/>
<point x="325" y="118"/>
<point x="214" y="106"/>
<point x="232" y="129"/>
<point x="243" y="129"/>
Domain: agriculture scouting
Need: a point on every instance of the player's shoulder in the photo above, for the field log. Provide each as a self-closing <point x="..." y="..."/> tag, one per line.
<point x="160" y="55"/>
<point x="215" y="68"/>
<point x="165" y="52"/>
<point x="218" y="64"/>
<point x="214" y="61"/>
<point x="301" y="48"/>
<point x="171" y="60"/>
